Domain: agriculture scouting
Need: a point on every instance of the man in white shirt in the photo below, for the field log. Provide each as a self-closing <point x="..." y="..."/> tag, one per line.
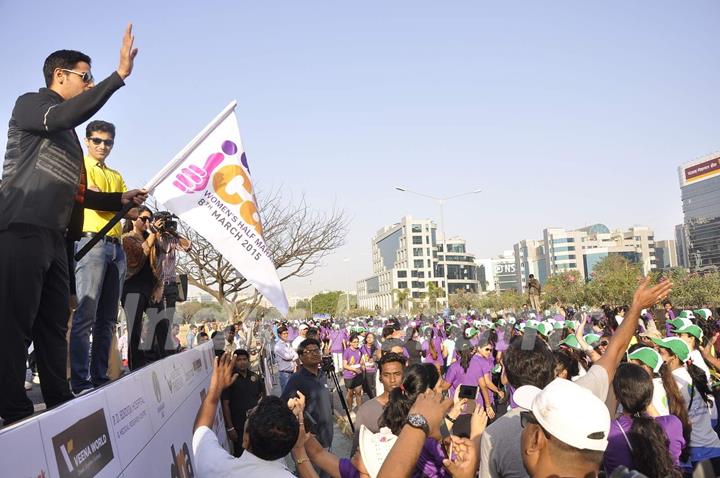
<point x="286" y="357"/>
<point x="271" y="432"/>
<point x="303" y="335"/>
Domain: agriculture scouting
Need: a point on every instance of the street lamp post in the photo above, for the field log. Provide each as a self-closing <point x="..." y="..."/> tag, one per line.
<point x="441" y="201"/>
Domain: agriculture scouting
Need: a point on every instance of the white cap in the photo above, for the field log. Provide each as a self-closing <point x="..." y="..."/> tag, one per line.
<point x="569" y="412"/>
<point x="374" y="448"/>
<point x="303" y="326"/>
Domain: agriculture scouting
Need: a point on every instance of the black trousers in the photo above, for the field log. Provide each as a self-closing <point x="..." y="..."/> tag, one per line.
<point x="161" y="316"/>
<point x="135" y="303"/>
<point x="34" y="307"/>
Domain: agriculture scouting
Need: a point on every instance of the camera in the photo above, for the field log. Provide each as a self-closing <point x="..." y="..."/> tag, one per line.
<point x="327" y="364"/>
<point x="169" y="225"/>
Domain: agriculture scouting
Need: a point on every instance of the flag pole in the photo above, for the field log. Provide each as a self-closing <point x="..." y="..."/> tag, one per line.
<point x="159" y="177"/>
<point x="189" y="148"/>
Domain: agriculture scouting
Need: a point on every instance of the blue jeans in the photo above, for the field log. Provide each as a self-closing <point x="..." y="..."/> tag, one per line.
<point x="99" y="277"/>
<point x="284" y="377"/>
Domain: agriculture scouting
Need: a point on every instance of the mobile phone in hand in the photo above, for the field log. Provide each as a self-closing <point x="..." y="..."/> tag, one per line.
<point x="468" y="391"/>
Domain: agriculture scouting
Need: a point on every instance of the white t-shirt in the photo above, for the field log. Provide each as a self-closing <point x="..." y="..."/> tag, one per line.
<point x="212" y="460"/>
<point x="297" y="341"/>
<point x="697" y="359"/>
<point x="450" y="348"/>
<point x="659" y="399"/>
<point x="703" y="435"/>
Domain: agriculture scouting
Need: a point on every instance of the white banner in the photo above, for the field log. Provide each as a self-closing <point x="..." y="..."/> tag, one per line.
<point x="139" y="425"/>
<point x="208" y="186"/>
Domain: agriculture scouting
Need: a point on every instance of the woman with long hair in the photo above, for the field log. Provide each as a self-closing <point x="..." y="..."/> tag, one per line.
<point x="697" y="399"/>
<point x="368" y="351"/>
<point x="433" y="349"/>
<point x="352" y="371"/>
<point x="413" y="345"/>
<point x="137" y="241"/>
<point x="638" y="440"/>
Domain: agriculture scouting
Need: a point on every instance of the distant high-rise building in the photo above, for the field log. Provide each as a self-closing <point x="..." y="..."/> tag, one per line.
<point x="700" y="191"/>
<point x="681" y="246"/>
<point x="409" y="255"/>
<point x="666" y="254"/>
<point x="498" y="273"/>
<point x="562" y="250"/>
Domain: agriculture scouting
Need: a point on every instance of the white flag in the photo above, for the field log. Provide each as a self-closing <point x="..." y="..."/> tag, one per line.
<point x="208" y="186"/>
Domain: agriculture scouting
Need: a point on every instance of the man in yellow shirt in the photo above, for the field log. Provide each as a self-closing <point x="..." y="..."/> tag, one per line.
<point x="100" y="274"/>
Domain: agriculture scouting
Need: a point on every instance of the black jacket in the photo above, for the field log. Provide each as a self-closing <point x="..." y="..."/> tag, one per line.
<point x="44" y="160"/>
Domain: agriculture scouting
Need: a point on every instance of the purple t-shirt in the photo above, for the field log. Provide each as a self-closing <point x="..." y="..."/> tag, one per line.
<point x="488" y="366"/>
<point x="437" y="343"/>
<point x="352" y="357"/>
<point x="347" y="470"/>
<point x="336" y="340"/>
<point x="501" y="345"/>
<point x="618" y="452"/>
<point x="456" y="376"/>
<point x="292" y="333"/>
<point x="430" y="461"/>
<point x="370" y="365"/>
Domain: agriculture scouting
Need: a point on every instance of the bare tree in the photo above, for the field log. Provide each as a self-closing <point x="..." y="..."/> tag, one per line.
<point x="297" y="239"/>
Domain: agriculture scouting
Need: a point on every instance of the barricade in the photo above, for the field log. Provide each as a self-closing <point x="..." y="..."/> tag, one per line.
<point x="138" y="426"/>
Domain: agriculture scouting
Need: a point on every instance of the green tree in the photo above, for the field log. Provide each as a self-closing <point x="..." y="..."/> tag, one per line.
<point x="342" y="304"/>
<point x="464" y="300"/>
<point x="303" y="304"/>
<point x="434" y="292"/>
<point x="694" y="290"/>
<point x="401" y="295"/>
<point x="187" y="311"/>
<point x="613" y="281"/>
<point x="326" y="302"/>
<point x="567" y="287"/>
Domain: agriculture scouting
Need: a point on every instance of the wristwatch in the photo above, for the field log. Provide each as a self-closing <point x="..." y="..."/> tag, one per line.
<point x="419" y="422"/>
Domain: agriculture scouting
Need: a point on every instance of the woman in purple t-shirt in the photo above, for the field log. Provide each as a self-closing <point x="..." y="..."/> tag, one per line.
<point x="352" y="371"/>
<point x="650" y="445"/>
<point x="487" y="387"/>
<point x="467" y="370"/>
<point x="433" y="350"/>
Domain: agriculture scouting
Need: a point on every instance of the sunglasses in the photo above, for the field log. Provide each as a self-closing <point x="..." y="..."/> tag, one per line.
<point x="97" y="141"/>
<point x="86" y="76"/>
<point x="144" y="218"/>
<point x="312" y="351"/>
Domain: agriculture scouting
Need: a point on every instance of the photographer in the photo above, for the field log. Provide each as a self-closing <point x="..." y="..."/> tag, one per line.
<point x="311" y="381"/>
<point x="163" y="259"/>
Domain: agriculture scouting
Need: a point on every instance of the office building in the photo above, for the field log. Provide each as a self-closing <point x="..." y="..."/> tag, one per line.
<point x="700" y="192"/>
<point x="681" y="246"/>
<point x="561" y="250"/>
<point x="409" y="255"/>
<point x="497" y="273"/>
<point x="666" y="254"/>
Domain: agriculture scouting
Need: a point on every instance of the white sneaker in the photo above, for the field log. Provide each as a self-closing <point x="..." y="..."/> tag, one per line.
<point x="28" y="385"/>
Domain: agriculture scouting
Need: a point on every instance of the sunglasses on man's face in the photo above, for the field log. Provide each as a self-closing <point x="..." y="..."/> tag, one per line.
<point x="85" y="76"/>
<point x="97" y="141"/>
<point x="144" y="218"/>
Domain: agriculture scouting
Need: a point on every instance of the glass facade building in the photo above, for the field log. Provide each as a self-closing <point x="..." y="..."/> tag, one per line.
<point x="700" y="192"/>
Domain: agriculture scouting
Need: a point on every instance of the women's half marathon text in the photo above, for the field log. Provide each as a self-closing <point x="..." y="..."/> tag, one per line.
<point x="244" y="234"/>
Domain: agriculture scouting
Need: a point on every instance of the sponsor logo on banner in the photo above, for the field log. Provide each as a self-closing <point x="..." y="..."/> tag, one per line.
<point x="174" y="378"/>
<point x="208" y="186"/>
<point x="83" y="449"/>
<point x="181" y="467"/>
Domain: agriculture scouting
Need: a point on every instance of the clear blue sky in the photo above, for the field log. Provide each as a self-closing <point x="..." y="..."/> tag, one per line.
<point x="565" y="113"/>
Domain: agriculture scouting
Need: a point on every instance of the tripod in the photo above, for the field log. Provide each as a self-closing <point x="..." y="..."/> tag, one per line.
<point x="329" y="369"/>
